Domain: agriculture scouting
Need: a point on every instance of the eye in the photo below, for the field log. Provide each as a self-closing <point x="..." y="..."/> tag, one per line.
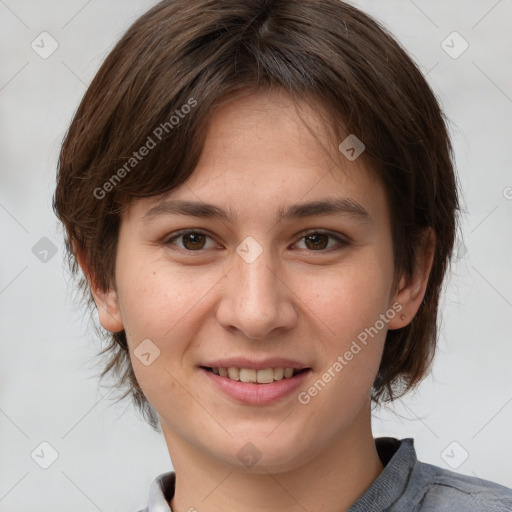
<point x="195" y="240"/>
<point x="317" y="241"/>
<point x="192" y="240"/>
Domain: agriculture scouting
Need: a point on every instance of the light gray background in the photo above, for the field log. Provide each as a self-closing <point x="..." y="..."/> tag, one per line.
<point x="107" y="456"/>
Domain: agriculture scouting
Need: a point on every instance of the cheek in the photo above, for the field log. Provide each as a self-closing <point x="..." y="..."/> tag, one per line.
<point x="348" y="311"/>
<point x="347" y="299"/>
<point x="156" y="297"/>
<point x="159" y="304"/>
<point x="348" y="305"/>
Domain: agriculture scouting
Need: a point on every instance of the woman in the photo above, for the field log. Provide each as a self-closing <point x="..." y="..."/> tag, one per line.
<point x="262" y="199"/>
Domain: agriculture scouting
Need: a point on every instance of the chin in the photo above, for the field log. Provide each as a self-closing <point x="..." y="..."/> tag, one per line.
<point x="262" y="455"/>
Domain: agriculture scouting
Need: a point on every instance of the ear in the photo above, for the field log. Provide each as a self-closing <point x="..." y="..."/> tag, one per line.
<point x="409" y="294"/>
<point x="106" y="302"/>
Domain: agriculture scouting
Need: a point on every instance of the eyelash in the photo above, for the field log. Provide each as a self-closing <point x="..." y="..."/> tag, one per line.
<point x="342" y="242"/>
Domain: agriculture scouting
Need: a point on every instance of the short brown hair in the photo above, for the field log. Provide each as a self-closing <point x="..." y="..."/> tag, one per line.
<point x="195" y="52"/>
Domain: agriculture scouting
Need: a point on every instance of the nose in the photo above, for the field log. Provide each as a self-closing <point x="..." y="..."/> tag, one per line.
<point x="256" y="299"/>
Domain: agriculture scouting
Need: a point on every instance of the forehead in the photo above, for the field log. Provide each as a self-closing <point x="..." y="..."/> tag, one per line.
<point x="260" y="151"/>
<point x="266" y="126"/>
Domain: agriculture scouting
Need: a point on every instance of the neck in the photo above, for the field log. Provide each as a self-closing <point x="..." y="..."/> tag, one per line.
<point x="331" y="480"/>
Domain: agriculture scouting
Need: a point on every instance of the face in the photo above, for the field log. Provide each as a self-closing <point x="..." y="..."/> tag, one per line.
<point x="304" y="288"/>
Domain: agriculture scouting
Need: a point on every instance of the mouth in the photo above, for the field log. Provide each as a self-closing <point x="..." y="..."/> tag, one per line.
<point x="260" y="386"/>
<point x="253" y="376"/>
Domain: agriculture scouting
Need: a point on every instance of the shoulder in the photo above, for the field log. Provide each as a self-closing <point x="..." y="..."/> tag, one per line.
<point x="439" y="490"/>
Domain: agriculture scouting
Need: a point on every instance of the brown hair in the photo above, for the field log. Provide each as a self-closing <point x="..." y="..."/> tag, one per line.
<point x="193" y="53"/>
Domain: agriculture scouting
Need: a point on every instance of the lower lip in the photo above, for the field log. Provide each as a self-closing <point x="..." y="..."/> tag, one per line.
<point x="257" y="394"/>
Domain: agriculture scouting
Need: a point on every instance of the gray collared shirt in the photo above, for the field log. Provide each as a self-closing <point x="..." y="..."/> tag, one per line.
<point x="405" y="485"/>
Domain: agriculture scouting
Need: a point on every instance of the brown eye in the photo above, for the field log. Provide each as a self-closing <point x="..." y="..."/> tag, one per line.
<point x="318" y="241"/>
<point x="190" y="240"/>
<point x="193" y="241"/>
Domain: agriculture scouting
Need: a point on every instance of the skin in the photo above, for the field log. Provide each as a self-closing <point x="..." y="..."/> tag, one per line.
<point x="294" y="300"/>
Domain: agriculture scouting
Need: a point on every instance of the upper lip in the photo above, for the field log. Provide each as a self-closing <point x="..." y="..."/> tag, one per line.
<point x="243" y="362"/>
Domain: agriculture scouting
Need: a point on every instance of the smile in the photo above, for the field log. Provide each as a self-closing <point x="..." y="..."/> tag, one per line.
<point x="251" y="375"/>
<point x="247" y="389"/>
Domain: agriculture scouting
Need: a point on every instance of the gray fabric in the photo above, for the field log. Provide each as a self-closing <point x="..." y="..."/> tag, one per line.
<point x="405" y="485"/>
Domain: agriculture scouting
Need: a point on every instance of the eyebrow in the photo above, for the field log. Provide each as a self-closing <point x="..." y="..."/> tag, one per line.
<point x="342" y="206"/>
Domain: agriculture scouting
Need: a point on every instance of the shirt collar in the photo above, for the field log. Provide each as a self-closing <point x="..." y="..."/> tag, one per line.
<point x="161" y="492"/>
<point x="399" y="459"/>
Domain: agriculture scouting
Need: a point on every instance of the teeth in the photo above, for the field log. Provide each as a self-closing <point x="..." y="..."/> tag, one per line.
<point x="278" y="373"/>
<point x="265" y="376"/>
<point x="247" y="375"/>
<point x="234" y="373"/>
